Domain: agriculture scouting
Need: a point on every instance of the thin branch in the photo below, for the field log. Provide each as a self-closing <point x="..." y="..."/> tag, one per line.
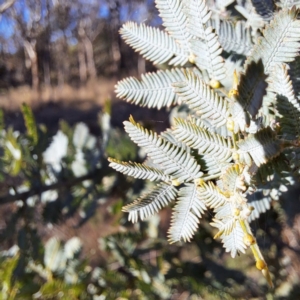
<point x="6" y="5"/>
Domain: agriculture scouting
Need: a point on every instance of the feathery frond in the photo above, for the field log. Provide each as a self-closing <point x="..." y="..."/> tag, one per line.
<point x="137" y="170"/>
<point x="30" y="122"/>
<point x="169" y="136"/>
<point x="205" y="142"/>
<point x="287" y="105"/>
<point x="211" y="195"/>
<point x="247" y="10"/>
<point x="172" y="159"/>
<point x="231" y="179"/>
<point x="153" y="90"/>
<point x="261" y="146"/>
<point x="252" y="88"/>
<point x="204" y="43"/>
<point x="175" y="21"/>
<point x="233" y="37"/>
<point x="208" y="54"/>
<point x="212" y="165"/>
<point x="250" y="94"/>
<point x="153" y="44"/>
<point x="260" y="203"/>
<point x="151" y="203"/>
<point x="294" y="73"/>
<point x="198" y="15"/>
<point x="280" y="41"/>
<point x="186" y="215"/>
<point x="202" y="99"/>
<point x="233" y="241"/>
<point x="288" y="3"/>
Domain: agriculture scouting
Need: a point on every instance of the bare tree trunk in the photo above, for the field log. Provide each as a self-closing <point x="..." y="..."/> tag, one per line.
<point x="6" y="5"/>
<point x="47" y="79"/>
<point x="60" y="77"/>
<point x="114" y="26"/>
<point x="82" y="63"/>
<point x="90" y="57"/>
<point x="116" y="53"/>
<point x="32" y="54"/>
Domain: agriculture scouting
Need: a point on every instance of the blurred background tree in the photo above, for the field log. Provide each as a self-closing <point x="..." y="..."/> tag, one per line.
<point x="62" y="232"/>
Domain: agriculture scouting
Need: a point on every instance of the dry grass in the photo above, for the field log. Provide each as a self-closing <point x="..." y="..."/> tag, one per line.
<point x="92" y="92"/>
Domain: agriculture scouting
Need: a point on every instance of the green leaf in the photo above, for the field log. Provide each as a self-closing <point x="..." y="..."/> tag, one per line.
<point x="7" y="267"/>
<point x="30" y="123"/>
<point x="2" y="121"/>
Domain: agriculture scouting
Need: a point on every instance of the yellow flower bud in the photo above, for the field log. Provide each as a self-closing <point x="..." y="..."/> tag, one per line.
<point x="176" y="182"/>
<point x="249" y="240"/>
<point x="215" y="84"/>
<point x="260" y="265"/>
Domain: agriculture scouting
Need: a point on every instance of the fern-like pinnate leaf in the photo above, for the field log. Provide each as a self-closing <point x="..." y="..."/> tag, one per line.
<point x="288" y="3"/>
<point x="252" y="88"/>
<point x="172" y="159"/>
<point x="212" y="165"/>
<point x="153" y="44"/>
<point x="205" y="142"/>
<point x="250" y="95"/>
<point x="151" y="203"/>
<point x="233" y="37"/>
<point x="261" y="146"/>
<point x="247" y="10"/>
<point x="211" y="195"/>
<point x="198" y="15"/>
<point x="208" y="54"/>
<point x="287" y="104"/>
<point x="280" y="42"/>
<point x="175" y="21"/>
<point x="225" y="228"/>
<point x="204" y="43"/>
<point x="230" y="230"/>
<point x="186" y="214"/>
<point x="202" y="99"/>
<point x="232" y="179"/>
<point x="232" y="237"/>
<point x="294" y="73"/>
<point x="137" y="170"/>
<point x="260" y="203"/>
<point x="153" y="90"/>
